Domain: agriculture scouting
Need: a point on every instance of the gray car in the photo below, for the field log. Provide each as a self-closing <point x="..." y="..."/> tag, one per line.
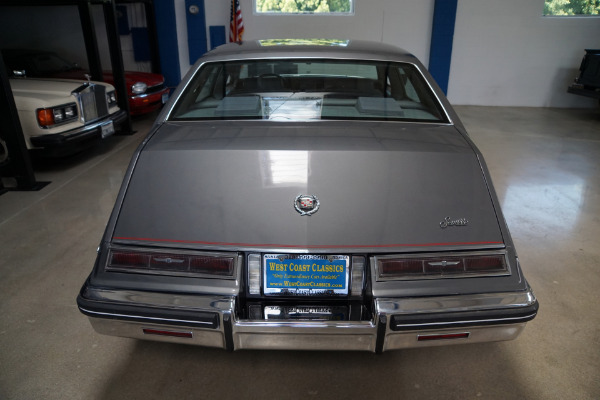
<point x="318" y="195"/>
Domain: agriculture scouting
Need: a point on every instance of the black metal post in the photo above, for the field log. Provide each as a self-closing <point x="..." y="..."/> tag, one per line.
<point x="91" y="42"/>
<point x="152" y="35"/>
<point x="116" y="58"/>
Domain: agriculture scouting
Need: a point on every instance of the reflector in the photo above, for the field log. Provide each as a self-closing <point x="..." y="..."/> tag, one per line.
<point x="445" y="336"/>
<point x="148" y="331"/>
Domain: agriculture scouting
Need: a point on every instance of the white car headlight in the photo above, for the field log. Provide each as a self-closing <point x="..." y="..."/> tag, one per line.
<point x="139" y="88"/>
<point x="111" y="98"/>
<point x="48" y="117"/>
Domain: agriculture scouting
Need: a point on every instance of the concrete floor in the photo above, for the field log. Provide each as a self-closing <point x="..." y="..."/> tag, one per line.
<point x="546" y="169"/>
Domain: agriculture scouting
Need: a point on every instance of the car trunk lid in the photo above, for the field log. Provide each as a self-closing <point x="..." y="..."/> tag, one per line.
<point x="382" y="187"/>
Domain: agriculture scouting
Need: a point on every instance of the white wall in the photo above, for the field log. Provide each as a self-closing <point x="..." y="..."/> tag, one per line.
<point x="506" y="53"/>
<point x="405" y="23"/>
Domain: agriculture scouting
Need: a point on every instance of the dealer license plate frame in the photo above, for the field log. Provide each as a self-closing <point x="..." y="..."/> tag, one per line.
<point x="307" y="275"/>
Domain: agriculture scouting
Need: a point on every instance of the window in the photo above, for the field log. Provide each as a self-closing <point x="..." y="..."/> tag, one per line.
<point x="304" y="6"/>
<point x="571" y="7"/>
<point x="308" y="89"/>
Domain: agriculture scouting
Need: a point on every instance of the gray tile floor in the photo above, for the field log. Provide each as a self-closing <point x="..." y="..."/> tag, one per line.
<point x="545" y="164"/>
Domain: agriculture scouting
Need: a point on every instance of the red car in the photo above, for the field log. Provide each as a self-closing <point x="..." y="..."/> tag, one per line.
<point x="146" y="91"/>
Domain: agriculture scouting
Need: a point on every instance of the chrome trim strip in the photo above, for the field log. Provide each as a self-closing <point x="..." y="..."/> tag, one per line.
<point x="206" y="303"/>
<point x="141" y="318"/>
<point x="469" y="322"/>
<point x="344" y="249"/>
<point x="476" y="302"/>
<point x="265" y="325"/>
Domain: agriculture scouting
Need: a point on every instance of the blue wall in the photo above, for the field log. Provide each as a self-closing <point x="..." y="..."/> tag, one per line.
<point x="167" y="41"/>
<point x="442" y="36"/>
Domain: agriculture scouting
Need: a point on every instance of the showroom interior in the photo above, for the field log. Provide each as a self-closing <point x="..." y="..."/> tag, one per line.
<point x="504" y="66"/>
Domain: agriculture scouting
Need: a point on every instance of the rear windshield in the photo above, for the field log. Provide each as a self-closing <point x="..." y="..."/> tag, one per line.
<point x="300" y="90"/>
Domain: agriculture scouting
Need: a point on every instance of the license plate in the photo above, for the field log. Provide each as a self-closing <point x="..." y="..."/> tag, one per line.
<point x="107" y="129"/>
<point x="305" y="275"/>
<point x="165" y="97"/>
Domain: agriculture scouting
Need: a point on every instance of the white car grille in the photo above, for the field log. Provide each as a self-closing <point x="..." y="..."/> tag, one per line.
<point x="92" y="102"/>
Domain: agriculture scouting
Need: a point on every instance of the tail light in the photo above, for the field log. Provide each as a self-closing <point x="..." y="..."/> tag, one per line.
<point x="182" y="262"/>
<point x="432" y="266"/>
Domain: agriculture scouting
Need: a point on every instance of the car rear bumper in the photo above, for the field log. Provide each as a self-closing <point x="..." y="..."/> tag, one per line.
<point x="396" y="324"/>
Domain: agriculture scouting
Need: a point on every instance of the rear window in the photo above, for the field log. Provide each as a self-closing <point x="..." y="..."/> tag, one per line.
<point x="300" y="90"/>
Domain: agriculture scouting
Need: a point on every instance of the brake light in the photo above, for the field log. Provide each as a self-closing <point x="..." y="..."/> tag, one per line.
<point x="211" y="265"/>
<point x="171" y="263"/>
<point x="440" y="266"/>
<point x="392" y="267"/>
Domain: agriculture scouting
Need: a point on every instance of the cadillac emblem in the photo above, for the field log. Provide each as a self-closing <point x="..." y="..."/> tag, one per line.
<point x="306" y="204"/>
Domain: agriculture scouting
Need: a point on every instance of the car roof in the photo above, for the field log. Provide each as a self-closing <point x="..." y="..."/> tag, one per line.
<point x="313" y="48"/>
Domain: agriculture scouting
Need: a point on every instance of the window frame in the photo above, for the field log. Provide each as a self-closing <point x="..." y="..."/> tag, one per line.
<point x="330" y="13"/>
<point x="568" y="15"/>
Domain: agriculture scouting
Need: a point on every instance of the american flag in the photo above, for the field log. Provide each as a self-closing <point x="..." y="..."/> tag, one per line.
<point x="236" y="23"/>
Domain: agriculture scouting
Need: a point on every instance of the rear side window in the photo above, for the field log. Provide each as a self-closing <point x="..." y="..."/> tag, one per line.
<point x="296" y="90"/>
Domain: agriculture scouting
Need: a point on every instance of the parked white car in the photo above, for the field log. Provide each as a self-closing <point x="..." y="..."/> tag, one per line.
<point x="61" y="117"/>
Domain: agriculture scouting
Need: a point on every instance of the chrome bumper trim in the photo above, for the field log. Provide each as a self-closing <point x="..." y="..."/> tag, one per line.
<point x="93" y="128"/>
<point x="377" y="335"/>
<point x="307" y="335"/>
<point x="433" y="325"/>
<point x="141" y="318"/>
<point x="460" y="303"/>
